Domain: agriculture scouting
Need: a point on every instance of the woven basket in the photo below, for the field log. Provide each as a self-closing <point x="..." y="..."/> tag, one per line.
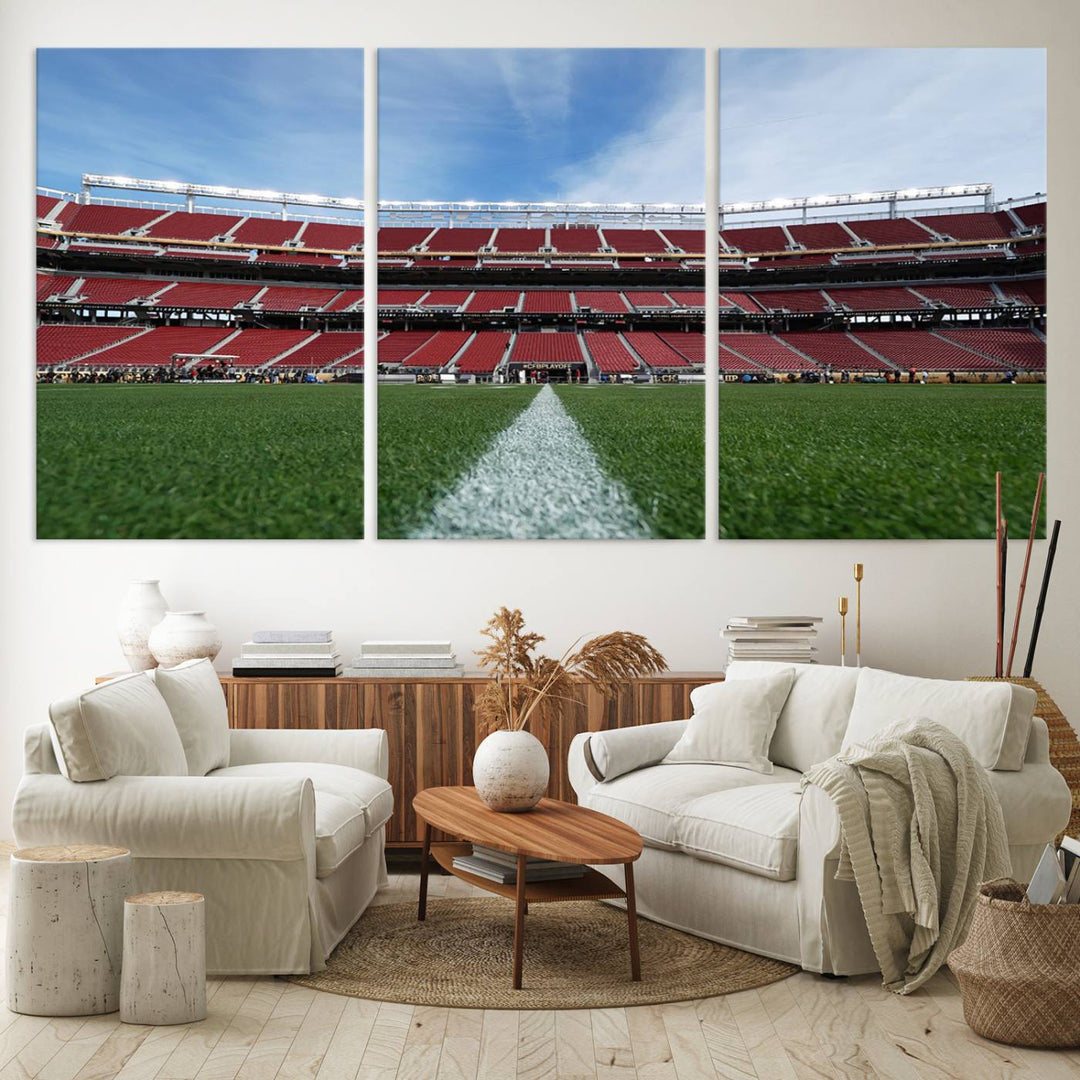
<point x="1019" y="969"/>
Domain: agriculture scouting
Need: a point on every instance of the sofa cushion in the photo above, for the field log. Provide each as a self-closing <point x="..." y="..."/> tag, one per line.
<point x="119" y="728"/>
<point x="992" y="719"/>
<point x="751" y="828"/>
<point x="654" y="800"/>
<point x="193" y="693"/>
<point x="366" y="792"/>
<point x="811" y="725"/>
<point x="340" y="828"/>
<point x="615" y="751"/>
<point x="733" y="722"/>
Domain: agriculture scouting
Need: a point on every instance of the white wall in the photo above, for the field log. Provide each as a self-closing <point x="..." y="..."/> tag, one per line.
<point x="928" y="605"/>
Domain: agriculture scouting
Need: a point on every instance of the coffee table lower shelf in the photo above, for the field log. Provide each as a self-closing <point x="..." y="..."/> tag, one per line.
<point x="591" y="886"/>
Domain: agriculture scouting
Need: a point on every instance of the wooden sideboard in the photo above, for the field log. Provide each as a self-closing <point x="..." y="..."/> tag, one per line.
<point x="431" y="726"/>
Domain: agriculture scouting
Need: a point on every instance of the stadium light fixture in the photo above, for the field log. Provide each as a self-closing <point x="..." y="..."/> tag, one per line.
<point x="860" y="198"/>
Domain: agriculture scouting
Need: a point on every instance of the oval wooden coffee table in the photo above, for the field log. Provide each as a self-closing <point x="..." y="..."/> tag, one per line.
<point x="553" y="830"/>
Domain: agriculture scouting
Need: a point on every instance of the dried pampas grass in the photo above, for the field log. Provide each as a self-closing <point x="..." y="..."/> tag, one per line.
<point x="525" y="684"/>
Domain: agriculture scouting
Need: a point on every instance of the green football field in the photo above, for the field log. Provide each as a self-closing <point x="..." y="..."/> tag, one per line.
<point x="878" y="461"/>
<point x="649" y="440"/>
<point x="203" y="461"/>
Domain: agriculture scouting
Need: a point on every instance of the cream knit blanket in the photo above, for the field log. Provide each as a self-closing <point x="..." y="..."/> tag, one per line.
<point x="920" y="830"/>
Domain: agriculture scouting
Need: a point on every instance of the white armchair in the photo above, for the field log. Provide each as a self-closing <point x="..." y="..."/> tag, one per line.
<point x="286" y="842"/>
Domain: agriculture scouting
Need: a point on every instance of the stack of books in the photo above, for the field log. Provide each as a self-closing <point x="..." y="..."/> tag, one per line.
<point x="291" y="653"/>
<point x="405" y="660"/>
<point x="787" y="639"/>
<point x="1057" y="877"/>
<point x="501" y="866"/>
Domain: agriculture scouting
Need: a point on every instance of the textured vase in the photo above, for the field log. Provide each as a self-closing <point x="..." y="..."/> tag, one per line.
<point x="184" y="635"/>
<point x="510" y="771"/>
<point x="142" y="609"/>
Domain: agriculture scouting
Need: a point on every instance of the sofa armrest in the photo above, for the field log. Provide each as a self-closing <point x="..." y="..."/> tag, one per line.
<point x="171" y="817"/>
<point x="1038" y="747"/>
<point x="596" y="756"/>
<point x="38" y="753"/>
<point x="366" y="749"/>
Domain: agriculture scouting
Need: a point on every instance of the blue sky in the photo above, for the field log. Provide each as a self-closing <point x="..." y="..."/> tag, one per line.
<point x="282" y="119"/>
<point x="818" y="121"/>
<point x="542" y="124"/>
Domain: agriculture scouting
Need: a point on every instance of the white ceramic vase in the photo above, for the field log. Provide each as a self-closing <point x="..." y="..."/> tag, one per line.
<point x="184" y="635"/>
<point x="142" y="609"/>
<point x="510" y="771"/>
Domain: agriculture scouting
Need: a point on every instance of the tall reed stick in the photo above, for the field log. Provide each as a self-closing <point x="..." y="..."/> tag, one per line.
<point x="1037" y="625"/>
<point x="858" y="614"/>
<point x="999" y="617"/>
<point x="1024" y="571"/>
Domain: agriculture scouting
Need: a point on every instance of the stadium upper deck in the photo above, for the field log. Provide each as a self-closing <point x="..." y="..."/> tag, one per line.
<point x="187" y="288"/>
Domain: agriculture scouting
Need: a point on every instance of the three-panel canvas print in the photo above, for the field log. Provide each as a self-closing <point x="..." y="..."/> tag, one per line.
<point x="541" y="357"/>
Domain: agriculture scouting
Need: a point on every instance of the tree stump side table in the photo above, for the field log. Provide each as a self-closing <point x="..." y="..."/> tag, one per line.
<point x="65" y="929"/>
<point x="164" y="979"/>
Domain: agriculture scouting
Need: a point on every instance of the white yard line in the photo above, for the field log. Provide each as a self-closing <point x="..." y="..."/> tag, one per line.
<point x="540" y="480"/>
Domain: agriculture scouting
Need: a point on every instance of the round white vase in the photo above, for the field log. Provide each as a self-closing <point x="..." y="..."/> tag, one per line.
<point x="142" y="609"/>
<point x="510" y="771"/>
<point x="184" y="635"/>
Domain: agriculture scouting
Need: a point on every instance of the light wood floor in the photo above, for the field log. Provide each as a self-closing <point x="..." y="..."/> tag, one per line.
<point x="260" y="1029"/>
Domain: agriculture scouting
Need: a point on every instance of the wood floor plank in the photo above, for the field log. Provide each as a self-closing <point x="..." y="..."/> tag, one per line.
<point x="346" y="1049"/>
<point x="423" y="1046"/>
<point x="649" y="1042"/>
<point x="575" y="1056"/>
<point x="759" y="1036"/>
<point x="114" y="1053"/>
<point x="805" y="1053"/>
<point x="612" y="1051"/>
<point x="305" y="1056"/>
<point x="19" y="1034"/>
<point x="536" y="1056"/>
<point x="498" y="1045"/>
<point x="385" y="1044"/>
<point x="461" y="1045"/>
<point x="80" y="1048"/>
<point x="689" y="1051"/>
<point x="200" y="1039"/>
<point x="42" y="1048"/>
<point x="730" y="1057"/>
<point x="272" y="1043"/>
<point x="840" y="1044"/>
<point x="153" y="1052"/>
<point x="227" y="1057"/>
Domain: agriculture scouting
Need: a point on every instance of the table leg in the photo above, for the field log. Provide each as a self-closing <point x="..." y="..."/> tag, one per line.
<point x="425" y="858"/>
<point x="631" y="917"/>
<point x="519" y="921"/>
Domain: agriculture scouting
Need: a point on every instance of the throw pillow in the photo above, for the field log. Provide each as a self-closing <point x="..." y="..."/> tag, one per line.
<point x="121" y="728"/>
<point x="193" y="693"/>
<point x="733" y="722"/>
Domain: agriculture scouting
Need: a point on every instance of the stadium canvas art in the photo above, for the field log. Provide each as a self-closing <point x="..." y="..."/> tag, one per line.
<point x="541" y="304"/>
<point x="883" y="291"/>
<point x="200" y="325"/>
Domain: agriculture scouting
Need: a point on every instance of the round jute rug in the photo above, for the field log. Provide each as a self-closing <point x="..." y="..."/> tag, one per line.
<point x="576" y="957"/>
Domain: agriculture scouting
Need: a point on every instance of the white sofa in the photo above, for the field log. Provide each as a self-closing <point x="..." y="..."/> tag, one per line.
<point x="742" y="857"/>
<point x="284" y="835"/>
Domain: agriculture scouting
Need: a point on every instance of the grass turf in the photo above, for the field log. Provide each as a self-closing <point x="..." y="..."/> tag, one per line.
<point x="210" y="461"/>
<point x="652" y="439"/>
<point x="429" y="436"/>
<point x="878" y="462"/>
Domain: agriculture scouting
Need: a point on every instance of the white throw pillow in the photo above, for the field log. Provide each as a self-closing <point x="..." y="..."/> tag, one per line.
<point x="193" y="693"/>
<point x="733" y="722"/>
<point x="120" y="728"/>
<point x="993" y="720"/>
<point x="812" y="723"/>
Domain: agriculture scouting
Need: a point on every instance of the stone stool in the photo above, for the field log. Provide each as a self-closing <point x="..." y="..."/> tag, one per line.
<point x="65" y="928"/>
<point x="164" y="980"/>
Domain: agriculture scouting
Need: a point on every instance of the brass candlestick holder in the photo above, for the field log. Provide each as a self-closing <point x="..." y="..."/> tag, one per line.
<point x="858" y="614"/>
<point x="842" y="607"/>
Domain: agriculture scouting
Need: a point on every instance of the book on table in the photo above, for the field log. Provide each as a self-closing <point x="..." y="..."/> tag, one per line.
<point x="501" y="866"/>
